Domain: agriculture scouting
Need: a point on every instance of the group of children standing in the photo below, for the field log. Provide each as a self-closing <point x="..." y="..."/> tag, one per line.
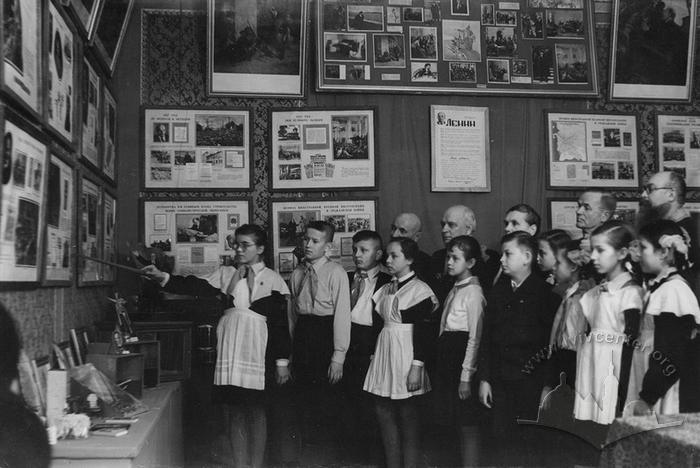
<point x="368" y="334"/>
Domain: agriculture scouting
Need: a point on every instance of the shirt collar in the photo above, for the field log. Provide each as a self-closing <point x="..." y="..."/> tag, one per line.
<point x="571" y="290"/>
<point x="319" y="263"/>
<point x="662" y="276"/>
<point x="372" y="272"/>
<point x="257" y="267"/>
<point x="618" y="282"/>
<point x="471" y="280"/>
<point x="406" y="277"/>
<point x="515" y="285"/>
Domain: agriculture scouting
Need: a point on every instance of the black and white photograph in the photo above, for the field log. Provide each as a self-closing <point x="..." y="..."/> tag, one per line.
<point x="161" y="173"/>
<point x="487" y="14"/>
<point x="498" y="71"/>
<point x="603" y="171"/>
<point x="413" y="15"/>
<point x="572" y="63"/>
<point x="421" y="71"/>
<point x="292" y="226"/>
<point x="355" y="72"/>
<point x="565" y="23"/>
<point x="542" y="65"/>
<point x="611" y="137"/>
<point x="389" y="51"/>
<point x="463" y="72"/>
<point x="555" y="4"/>
<point x="289" y="152"/>
<point x="365" y="18"/>
<point x="423" y="43"/>
<point x="184" y="157"/>
<point x="197" y="228"/>
<point x="520" y="67"/>
<point x="219" y="130"/>
<point x="345" y="47"/>
<point x="393" y="15"/>
<point x="432" y="13"/>
<point x="215" y="157"/>
<point x="334" y="16"/>
<point x="625" y="170"/>
<point x="290" y="172"/>
<point x="350" y="137"/>
<point x="506" y="18"/>
<point x="626" y="138"/>
<point x="673" y="135"/>
<point x="501" y="41"/>
<point x="286" y="262"/>
<point x="459" y="7"/>
<point x="22" y="44"/>
<point x="288" y="132"/>
<point x="19" y="169"/>
<point x="161" y="157"/>
<point x="26" y="233"/>
<point x="461" y="41"/>
<point x="358" y="223"/>
<point x="161" y="132"/>
<point x="337" y="221"/>
<point x="673" y="153"/>
<point x="695" y="139"/>
<point x="532" y="24"/>
<point x="332" y="71"/>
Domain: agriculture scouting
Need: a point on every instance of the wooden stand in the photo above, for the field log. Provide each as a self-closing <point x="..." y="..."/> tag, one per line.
<point x="121" y="367"/>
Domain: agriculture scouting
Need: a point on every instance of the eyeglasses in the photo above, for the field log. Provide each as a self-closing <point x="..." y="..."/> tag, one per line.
<point x="242" y="245"/>
<point x="649" y="188"/>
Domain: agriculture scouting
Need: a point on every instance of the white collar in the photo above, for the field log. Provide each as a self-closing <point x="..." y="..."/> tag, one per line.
<point x="406" y="277"/>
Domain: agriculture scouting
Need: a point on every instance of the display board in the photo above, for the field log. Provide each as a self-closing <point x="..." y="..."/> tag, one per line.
<point x="60" y="223"/>
<point x="678" y="146"/>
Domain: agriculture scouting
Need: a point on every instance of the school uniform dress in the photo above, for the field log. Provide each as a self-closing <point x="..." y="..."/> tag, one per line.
<point x="404" y="306"/>
<point x="670" y="313"/>
<point x="612" y="310"/>
<point x="458" y="345"/>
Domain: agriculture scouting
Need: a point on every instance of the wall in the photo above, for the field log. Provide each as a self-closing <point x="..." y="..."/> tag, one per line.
<point x="164" y="63"/>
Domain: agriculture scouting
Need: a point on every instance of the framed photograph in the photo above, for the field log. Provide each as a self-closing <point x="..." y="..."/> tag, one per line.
<point x="62" y="65"/>
<point x="678" y="146"/>
<point x="91" y="86"/>
<point x="109" y="32"/>
<point x="314" y="149"/>
<point x="89" y="230"/>
<point x="562" y="214"/>
<point x="109" y="135"/>
<point x="60" y="223"/>
<point x="23" y="190"/>
<point x="22" y="59"/>
<point x="587" y="150"/>
<point x="85" y="14"/>
<point x="520" y="47"/>
<point x="653" y="50"/>
<point x="197" y="149"/>
<point x="290" y="218"/>
<point x="109" y="241"/>
<point x="460" y="149"/>
<point x="259" y="48"/>
<point x="194" y="233"/>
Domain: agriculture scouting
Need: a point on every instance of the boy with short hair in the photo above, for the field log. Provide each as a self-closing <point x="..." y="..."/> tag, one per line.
<point x="512" y="357"/>
<point x="320" y="320"/>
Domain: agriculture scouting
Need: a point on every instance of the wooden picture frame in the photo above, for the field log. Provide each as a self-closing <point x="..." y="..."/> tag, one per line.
<point x="314" y="149"/>
<point x="61" y="64"/>
<point x="197" y="149"/>
<point x="109" y="235"/>
<point x="22" y="54"/>
<point x="108" y="161"/>
<point x="59" y="233"/>
<point x="23" y="199"/>
<point x="266" y="58"/>
<point x="110" y="30"/>
<point x="288" y="219"/>
<point x="652" y="59"/>
<point x="89" y="229"/>
<point x="455" y="47"/>
<point x="592" y="150"/>
<point x="84" y="13"/>
<point x="194" y="230"/>
<point x="678" y="146"/>
<point x="561" y="213"/>
<point x="460" y="149"/>
<point x="91" y="123"/>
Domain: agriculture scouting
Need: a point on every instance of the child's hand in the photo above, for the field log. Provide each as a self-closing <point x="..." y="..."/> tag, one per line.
<point x="283" y="375"/>
<point x="485" y="396"/>
<point x="335" y="372"/>
<point x="464" y="390"/>
<point x="413" y="382"/>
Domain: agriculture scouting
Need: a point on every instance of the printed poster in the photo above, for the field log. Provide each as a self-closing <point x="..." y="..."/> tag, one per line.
<point x="61" y="95"/>
<point x="678" y="139"/>
<point x="59" y="221"/>
<point x="91" y="108"/>
<point x="90" y="230"/>
<point x="21" y="46"/>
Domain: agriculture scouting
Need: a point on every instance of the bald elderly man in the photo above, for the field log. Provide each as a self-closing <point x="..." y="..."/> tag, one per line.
<point x="408" y="225"/>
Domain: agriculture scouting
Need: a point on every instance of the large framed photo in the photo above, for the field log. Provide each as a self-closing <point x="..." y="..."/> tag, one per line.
<point x="110" y="30"/>
<point x="109" y="241"/>
<point x="290" y="218"/>
<point x="653" y="47"/>
<point x="257" y="48"/>
<point x="89" y="231"/>
<point x="90" y="124"/>
<point x="195" y="233"/>
<point x="21" y="76"/>
<point x="592" y="150"/>
<point x="60" y="222"/>
<point x="62" y="68"/>
<point x="85" y="13"/>
<point x="533" y="47"/>
<point x="562" y="214"/>
<point x="678" y="146"/>
<point x="109" y="135"/>
<point x="460" y="152"/>
<point x="197" y="149"/>
<point x="23" y="190"/>
<point x="329" y="149"/>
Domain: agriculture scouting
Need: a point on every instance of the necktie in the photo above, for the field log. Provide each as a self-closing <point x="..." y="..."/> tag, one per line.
<point x="248" y="274"/>
<point x="394" y="286"/>
<point x="310" y="282"/>
<point x="358" y="287"/>
<point x="448" y="304"/>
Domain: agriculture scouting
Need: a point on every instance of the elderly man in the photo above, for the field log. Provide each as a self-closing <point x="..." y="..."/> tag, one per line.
<point x="409" y="225"/>
<point x="594" y="208"/>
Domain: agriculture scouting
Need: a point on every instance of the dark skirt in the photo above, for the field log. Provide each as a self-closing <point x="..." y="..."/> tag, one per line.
<point x="450" y="409"/>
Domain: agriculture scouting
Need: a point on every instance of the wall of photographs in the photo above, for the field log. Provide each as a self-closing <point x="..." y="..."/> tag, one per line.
<point x="59" y="184"/>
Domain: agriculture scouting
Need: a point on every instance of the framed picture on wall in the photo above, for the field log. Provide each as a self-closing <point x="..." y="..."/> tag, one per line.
<point x="89" y="231"/>
<point x="22" y="59"/>
<point x="62" y="62"/>
<point x="289" y="219"/>
<point x="678" y="146"/>
<point x="586" y="150"/>
<point x="90" y="123"/>
<point x="109" y="241"/>
<point x="323" y="149"/>
<point x="195" y="233"/>
<point x="562" y="214"/>
<point x="460" y="157"/>
<point x="60" y="222"/>
<point x="652" y="51"/>
<point x="257" y="48"/>
<point x="109" y="135"/>
<point x="197" y="149"/>
<point x="23" y="189"/>
<point x="109" y="32"/>
<point x="85" y="13"/>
